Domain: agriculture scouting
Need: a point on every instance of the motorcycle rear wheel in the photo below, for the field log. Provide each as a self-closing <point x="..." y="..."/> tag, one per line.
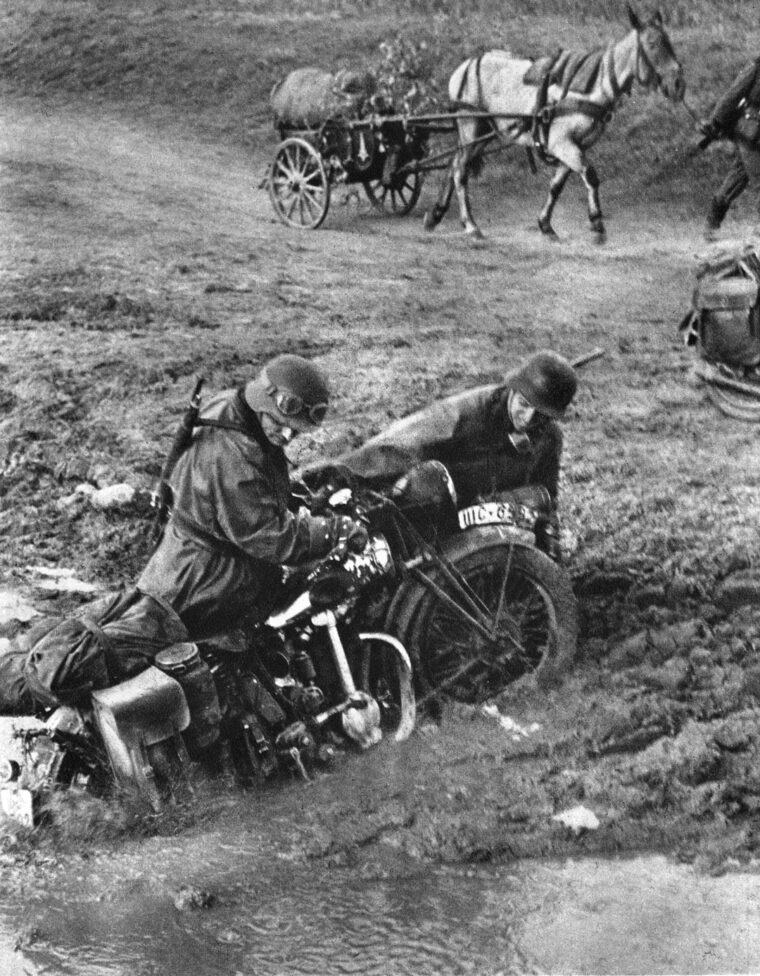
<point x="535" y="633"/>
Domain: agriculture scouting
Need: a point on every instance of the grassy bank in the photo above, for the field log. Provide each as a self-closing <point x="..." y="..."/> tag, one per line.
<point x="209" y="68"/>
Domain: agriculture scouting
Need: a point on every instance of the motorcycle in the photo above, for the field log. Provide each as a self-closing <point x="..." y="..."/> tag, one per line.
<point x="282" y="696"/>
<point x="468" y="591"/>
<point x="474" y="598"/>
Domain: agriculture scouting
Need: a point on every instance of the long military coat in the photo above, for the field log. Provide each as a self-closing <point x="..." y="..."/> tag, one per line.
<point x="231" y="529"/>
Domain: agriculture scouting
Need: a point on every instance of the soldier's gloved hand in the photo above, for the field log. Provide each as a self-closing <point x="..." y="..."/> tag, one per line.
<point x="351" y="534"/>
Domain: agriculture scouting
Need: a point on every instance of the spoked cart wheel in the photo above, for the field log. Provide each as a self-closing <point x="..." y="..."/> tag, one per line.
<point x="298" y="185"/>
<point x="399" y="198"/>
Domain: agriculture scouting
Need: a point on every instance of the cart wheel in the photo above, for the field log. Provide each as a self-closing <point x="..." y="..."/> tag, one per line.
<point x="399" y="198"/>
<point x="298" y="185"/>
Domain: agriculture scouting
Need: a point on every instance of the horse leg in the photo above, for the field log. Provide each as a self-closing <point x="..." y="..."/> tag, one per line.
<point x="460" y="172"/>
<point x="435" y="216"/>
<point x="591" y="181"/>
<point x="555" y="188"/>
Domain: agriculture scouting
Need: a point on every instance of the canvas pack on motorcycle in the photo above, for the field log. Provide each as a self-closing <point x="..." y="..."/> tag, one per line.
<point x="723" y="326"/>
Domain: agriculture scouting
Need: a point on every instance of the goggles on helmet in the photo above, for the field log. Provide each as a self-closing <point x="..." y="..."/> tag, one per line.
<point x="291" y="405"/>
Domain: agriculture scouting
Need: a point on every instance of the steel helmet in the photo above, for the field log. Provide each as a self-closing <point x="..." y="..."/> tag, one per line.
<point x="547" y="381"/>
<point x="292" y="390"/>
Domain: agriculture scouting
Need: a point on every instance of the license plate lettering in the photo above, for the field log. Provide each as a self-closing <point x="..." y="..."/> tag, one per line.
<point x="488" y="513"/>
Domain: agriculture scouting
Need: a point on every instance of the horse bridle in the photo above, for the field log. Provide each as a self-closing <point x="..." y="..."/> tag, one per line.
<point x="643" y="55"/>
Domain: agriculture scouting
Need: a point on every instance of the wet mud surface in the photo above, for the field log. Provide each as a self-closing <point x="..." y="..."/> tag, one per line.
<point x="656" y="728"/>
<point x="135" y="256"/>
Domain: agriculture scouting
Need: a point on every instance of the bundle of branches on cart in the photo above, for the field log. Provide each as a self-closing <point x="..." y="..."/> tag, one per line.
<point x="406" y="75"/>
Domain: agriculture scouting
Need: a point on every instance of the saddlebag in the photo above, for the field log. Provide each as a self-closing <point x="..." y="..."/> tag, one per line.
<point x="135" y="715"/>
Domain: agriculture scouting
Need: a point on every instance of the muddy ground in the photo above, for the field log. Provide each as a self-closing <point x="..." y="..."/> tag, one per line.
<point x="137" y="254"/>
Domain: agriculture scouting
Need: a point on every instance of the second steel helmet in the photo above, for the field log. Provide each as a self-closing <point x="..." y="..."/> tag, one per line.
<point x="292" y="389"/>
<point x="547" y="381"/>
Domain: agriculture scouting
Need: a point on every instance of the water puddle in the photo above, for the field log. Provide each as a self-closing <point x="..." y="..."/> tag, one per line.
<point x="282" y="919"/>
<point x="388" y="916"/>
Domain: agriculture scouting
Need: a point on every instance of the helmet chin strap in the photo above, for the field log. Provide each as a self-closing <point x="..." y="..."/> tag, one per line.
<point x="271" y="424"/>
<point x="519" y="439"/>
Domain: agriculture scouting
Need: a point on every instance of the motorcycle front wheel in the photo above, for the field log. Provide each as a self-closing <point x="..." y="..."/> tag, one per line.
<point x="528" y="623"/>
<point x="385" y="673"/>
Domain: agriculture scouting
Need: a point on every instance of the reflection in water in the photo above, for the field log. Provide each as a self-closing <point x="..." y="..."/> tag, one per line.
<point x="294" y="920"/>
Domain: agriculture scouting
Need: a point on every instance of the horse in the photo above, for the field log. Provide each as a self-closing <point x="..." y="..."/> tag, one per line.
<point x="560" y="111"/>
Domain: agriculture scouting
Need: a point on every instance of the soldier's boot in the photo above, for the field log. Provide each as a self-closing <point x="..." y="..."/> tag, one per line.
<point x="716" y="213"/>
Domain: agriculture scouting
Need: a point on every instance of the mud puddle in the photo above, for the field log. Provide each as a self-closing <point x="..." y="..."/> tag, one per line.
<point x="267" y="915"/>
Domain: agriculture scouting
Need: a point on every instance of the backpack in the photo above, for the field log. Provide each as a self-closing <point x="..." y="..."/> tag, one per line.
<point x="724" y="320"/>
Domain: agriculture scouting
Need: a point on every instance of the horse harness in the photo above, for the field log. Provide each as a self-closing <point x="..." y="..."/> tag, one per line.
<point x="575" y="73"/>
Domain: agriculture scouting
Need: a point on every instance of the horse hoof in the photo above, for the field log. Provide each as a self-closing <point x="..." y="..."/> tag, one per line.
<point x="475" y="233"/>
<point x="428" y="221"/>
<point x="548" y="231"/>
<point x="600" y="237"/>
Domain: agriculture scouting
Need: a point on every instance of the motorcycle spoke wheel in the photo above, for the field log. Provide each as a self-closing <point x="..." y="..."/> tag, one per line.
<point x="530" y="613"/>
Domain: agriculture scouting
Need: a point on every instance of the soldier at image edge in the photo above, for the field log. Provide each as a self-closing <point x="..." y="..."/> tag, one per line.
<point x="736" y="117"/>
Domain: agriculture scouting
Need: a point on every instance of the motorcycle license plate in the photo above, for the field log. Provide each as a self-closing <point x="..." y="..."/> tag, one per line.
<point x="18" y="805"/>
<point x="497" y="513"/>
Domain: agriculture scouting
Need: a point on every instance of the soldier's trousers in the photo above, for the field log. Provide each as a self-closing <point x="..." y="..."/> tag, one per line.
<point x="61" y="660"/>
<point x="744" y="169"/>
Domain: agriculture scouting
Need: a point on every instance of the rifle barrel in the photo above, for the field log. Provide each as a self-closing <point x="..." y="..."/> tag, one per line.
<point x="589" y="357"/>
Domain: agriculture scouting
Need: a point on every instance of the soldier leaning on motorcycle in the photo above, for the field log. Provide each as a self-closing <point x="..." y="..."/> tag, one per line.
<point x="492" y="439"/>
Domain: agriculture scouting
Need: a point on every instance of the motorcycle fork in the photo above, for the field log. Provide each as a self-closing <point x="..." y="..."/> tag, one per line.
<point x="359" y="712"/>
<point x="327" y="620"/>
